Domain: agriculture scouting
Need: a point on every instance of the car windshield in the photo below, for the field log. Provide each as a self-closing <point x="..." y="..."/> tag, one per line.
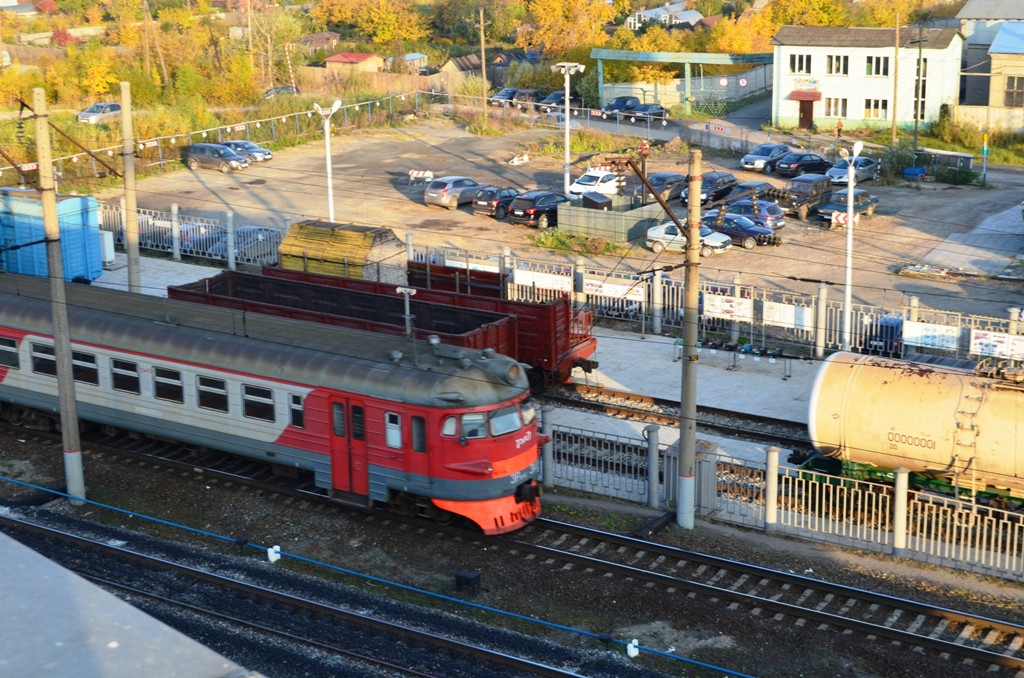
<point x="95" y="108"/>
<point x="588" y="179"/>
<point x="245" y="144"/>
<point x="223" y="151"/>
<point x="742" y="222"/>
<point x="705" y="231"/>
<point x="842" y="164"/>
<point x="763" y="149"/>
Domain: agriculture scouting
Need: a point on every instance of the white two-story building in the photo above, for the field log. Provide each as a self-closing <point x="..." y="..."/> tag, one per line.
<point x="823" y="74"/>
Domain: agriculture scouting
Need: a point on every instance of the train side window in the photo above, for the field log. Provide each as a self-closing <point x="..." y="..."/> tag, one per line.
<point x="8" y="352"/>
<point x="83" y="366"/>
<point x="393" y="430"/>
<point x="474" y="426"/>
<point x="257" y="402"/>
<point x="419" y="434"/>
<point x="125" y="376"/>
<point x="212" y="393"/>
<point x="338" y="418"/>
<point x="450" y="426"/>
<point x="167" y="385"/>
<point x="43" y="360"/>
<point x="358" y="423"/>
<point x="297" y="410"/>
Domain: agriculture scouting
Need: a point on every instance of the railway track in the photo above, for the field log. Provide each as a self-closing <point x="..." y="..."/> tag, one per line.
<point x="968" y="640"/>
<point x="664" y="412"/>
<point x="353" y="633"/>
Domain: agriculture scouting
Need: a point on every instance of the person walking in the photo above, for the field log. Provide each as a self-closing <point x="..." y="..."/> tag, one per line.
<point x="839" y="129"/>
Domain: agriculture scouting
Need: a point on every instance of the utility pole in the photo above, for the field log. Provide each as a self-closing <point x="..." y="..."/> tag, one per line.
<point x="131" y="226"/>
<point x="917" y="84"/>
<point x="688" y="393"/>
<point x="895" y="85"/>
<point x="73" y="476"/>
<point x="483" y="66"/>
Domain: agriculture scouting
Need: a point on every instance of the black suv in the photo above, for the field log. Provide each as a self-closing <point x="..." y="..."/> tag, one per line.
<point x="215" y="156"/>
<point x="536" y="208"/>
<point x="556" y="100"/>
<point x="525" y="98"/>
<point x="494" y="201"/>
<point x="504" y="96"/>
<point x="714" y="186"/>
<point x="620" y="104"/>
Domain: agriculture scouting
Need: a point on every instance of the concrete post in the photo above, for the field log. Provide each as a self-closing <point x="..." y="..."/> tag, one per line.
<point x="899" y="519"/>
<point x="821" y="321"/>
<point x="548" y="451"/>
<point x="1014" y="317"/>
<point x="657" y="304"/>
<point x="651" y="433"/>
<point x="734" y="325"/>
<point x="915" y="308"/>
<point x="579" y="295"/>
<point x="230" y="223"/>
<point x="176" y="232"/>
<point x="771" y="490"/>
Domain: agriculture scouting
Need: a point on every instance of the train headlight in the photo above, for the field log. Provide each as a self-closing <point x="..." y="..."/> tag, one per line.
<point x="512" y="376"/>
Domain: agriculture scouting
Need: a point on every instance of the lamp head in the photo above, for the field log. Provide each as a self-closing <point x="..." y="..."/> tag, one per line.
<point x="858" y="147"/>
<point x="843" y="153"/>
<point x="317" y="108"/>
<point x="554" y="68"/>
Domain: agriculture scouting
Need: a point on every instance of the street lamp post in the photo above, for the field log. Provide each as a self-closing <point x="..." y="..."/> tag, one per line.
<point x="567" y="69"/>
<point x="326" y="114"/>
<point x="851" y="184"/>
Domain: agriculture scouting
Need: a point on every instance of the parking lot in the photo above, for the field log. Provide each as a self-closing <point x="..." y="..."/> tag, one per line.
<point x="372" y="186"/>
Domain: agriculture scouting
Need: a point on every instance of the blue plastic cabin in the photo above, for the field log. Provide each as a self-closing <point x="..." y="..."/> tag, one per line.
<point x="21" y="223"/>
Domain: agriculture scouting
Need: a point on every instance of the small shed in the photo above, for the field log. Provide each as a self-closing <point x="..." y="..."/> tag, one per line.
<point x="465" y="65"/>
<point x="349" y="250"/>
<point x="354" y="62"/>
<point x="325" y="40"/>
<point x="624" y="220"/>
<point x="23" y="235"/>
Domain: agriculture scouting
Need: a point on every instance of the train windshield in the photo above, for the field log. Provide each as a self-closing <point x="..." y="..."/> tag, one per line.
<point x="505" y="420"/>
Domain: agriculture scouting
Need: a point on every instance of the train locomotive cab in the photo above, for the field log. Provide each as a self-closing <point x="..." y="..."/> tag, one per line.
<point x="489" y="466"/>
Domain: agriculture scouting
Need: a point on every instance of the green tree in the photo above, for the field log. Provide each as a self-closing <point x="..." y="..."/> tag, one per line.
<point x="558" y="25"/>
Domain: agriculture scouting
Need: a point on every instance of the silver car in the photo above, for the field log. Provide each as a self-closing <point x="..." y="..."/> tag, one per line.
<point x="863" y="170"/>
<point x="104" y="111"/>
<point x="764" y="157"/>
<point x="450" y="192"/>
<point x="667" y="236"/>
<point x="249" y="150"/>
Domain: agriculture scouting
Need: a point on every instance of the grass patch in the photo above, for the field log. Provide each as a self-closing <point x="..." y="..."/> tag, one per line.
<point x="557" y="241"/>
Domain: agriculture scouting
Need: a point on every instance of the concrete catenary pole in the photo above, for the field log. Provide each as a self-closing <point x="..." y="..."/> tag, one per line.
<point x="688" y="392"/>
<point x="73" y="475"/>
<point x="131" y="226"/>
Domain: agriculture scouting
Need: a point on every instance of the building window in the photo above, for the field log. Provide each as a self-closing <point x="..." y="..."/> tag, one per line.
<point x="125" y="376"/>
<point x="877" y="66"/>
<point x="212" y="393"/>
<point x="1014" y="92"/>
<point x="876" y="109"/>
<point x="800" y="63"/>
<point x="837" y="65"/>
<point x="835" y="108"/>
<point x="921" y="87"/>
<point x="8" y="352"/>
<point x="167" y="385"/>
<point x="257" y="402"/>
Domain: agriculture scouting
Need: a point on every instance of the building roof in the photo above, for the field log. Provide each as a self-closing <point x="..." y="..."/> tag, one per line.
<point x="465" y="63"/>
<point x="351" y="58"/>
<point x="991" y="9"/>
<point x="323" y="36"/>
<point x="845" y="36"/>
<point x="1010" y="39"/>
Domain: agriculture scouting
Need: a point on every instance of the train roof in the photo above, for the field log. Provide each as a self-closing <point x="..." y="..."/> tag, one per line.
<point x="389" y="367"/>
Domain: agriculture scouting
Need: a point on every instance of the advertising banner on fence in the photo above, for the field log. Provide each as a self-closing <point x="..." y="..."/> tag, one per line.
<point x="997" y="344"/>
<point x="728" y="307"/>
<point x="788" y="315"/>
<point x="927" y="335"/>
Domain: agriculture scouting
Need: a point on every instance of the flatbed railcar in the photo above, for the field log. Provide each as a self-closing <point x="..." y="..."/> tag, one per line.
<point x="376" y="420"/>
<point x="370" y="312"/>
<point x="553" y="338"/>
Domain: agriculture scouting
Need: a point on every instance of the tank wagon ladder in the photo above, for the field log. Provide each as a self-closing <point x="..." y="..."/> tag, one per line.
<point x="965" y="442"/>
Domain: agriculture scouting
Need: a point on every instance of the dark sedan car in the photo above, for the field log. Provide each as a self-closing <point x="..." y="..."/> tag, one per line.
<point x="536" y="208"/>
<point x="503" y="97"/>
<point x="620" y="104"/>
<point x="746" y="190"/>
<point x="494" y="201"/>
<point x="669" y="185"/>
<point x="765" y="213"/>
<point x="795" y="164"/>
<point x="646" y="112"/>
<point x="714" y="186"/>
<point x="741" y="230"/>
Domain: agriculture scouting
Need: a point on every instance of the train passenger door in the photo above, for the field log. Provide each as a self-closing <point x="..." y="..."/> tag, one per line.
<point x="348" y="446"/>
<point x="417" y="461"/>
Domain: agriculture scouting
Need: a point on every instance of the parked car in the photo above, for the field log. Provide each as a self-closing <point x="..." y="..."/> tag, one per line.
<point x="284" y="90"/>
<point x="667" y="236"/>
<point x="557" y="119"/>
<point x="740" y="229"/>
<point x="620" y="104"/>
<point x="253" y="245"/>
<point x="803" y="194"/>
<point x="536" y="208"/>
<point x="98" y="113"/>
<point x="765" y="213"/>
<point x="526" y="98"/>
<point x="669" y="185"/>
<point x="215" y="156"/>
<point x="714" y="186"/>
<point x="647" y="112"/>
<point x="250" y="150"/>
<point x="195" y="238"/>
<point x="764" y="157"/>
<point x="883" y="335"/>
<point x="556" y="101"/>
<point x="863" y="203"/>
<point x="795" y="164"/>
<point x="596" y="181"/>
<point x="494" y="201"/>
<point x="450" y="192"/>
<point x="864" y="169"/>
<point x="503" y="97"/>
<point x="746" y="190"/>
